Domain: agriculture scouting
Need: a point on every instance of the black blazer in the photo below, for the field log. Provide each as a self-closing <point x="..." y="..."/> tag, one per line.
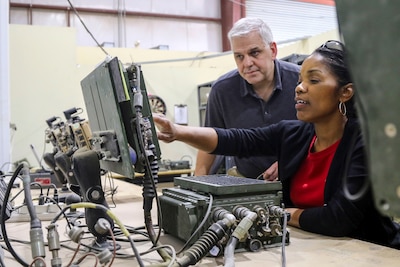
<point x="340" y="216"/>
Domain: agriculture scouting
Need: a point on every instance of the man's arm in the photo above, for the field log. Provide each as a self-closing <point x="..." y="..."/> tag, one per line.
<point x="204" y="162"/>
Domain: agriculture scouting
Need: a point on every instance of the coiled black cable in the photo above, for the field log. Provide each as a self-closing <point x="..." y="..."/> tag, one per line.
<point x="3" y="213"/>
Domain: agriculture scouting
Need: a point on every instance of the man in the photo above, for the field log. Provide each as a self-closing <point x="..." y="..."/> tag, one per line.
<point x="259" y="92"/>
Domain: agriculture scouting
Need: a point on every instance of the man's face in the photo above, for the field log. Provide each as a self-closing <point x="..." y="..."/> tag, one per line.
<point x="254" y="59"/>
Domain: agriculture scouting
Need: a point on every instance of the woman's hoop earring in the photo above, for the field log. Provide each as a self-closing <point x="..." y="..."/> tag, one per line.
<point x="342" y="108"/>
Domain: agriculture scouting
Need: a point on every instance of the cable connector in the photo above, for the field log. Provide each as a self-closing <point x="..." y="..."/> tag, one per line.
<point x="53" y="240"/>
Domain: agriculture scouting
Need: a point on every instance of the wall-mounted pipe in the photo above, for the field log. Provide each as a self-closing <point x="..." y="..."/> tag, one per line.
<point x="128" y="13"/>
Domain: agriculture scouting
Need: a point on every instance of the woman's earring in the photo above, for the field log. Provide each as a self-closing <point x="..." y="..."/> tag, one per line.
<point x="342" y="108"/>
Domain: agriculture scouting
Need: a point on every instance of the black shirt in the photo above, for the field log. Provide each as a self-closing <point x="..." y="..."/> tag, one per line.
<point x="233" y="103"/>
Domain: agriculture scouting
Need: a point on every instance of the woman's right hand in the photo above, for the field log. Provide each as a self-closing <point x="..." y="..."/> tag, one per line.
<point x="203" y="138"/>
<point x="166" y="129"/>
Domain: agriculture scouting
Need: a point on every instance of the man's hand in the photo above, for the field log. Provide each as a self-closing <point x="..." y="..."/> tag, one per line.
<point x="271" y="174"/>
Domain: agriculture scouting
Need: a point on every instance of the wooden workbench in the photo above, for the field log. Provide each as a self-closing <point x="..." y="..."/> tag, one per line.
<point x="305" y="249"/>
<point x="163" y="175"/>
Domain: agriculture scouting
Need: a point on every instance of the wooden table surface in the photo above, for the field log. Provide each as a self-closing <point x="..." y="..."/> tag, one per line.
<point x="305" y="249"/>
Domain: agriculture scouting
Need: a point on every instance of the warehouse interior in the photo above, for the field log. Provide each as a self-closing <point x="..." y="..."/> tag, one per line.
<point x="123" y="204"/>
<point x="57" y="52"/>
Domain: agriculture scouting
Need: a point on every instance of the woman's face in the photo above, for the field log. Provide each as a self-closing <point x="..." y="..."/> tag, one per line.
<point x="317" y="94"/>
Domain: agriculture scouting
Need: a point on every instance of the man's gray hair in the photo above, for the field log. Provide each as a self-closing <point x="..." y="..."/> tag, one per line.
<point x="246" y="25"/>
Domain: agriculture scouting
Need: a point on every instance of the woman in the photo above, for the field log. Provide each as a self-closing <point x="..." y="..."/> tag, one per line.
<point x="321" y="156"/>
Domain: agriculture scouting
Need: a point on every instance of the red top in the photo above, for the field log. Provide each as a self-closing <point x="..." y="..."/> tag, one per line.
<point x="308" y="184"/>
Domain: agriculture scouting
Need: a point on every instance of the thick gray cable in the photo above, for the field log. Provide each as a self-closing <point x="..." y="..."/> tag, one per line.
<point x="284" y="239"/>
<point x="229" y="252"/>
<point x="36" y="232"/>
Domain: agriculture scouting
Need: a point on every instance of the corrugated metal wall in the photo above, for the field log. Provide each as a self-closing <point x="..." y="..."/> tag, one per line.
<point x="185" y="25"/>
<point x="291" y="20"/>
<point x="288" y="19"/>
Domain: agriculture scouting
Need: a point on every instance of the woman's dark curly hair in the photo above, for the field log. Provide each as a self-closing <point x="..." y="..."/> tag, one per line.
<point x="334" y="54"/>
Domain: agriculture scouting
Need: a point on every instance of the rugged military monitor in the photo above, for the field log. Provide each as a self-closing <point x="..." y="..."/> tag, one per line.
<point x="119" y="117"/>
